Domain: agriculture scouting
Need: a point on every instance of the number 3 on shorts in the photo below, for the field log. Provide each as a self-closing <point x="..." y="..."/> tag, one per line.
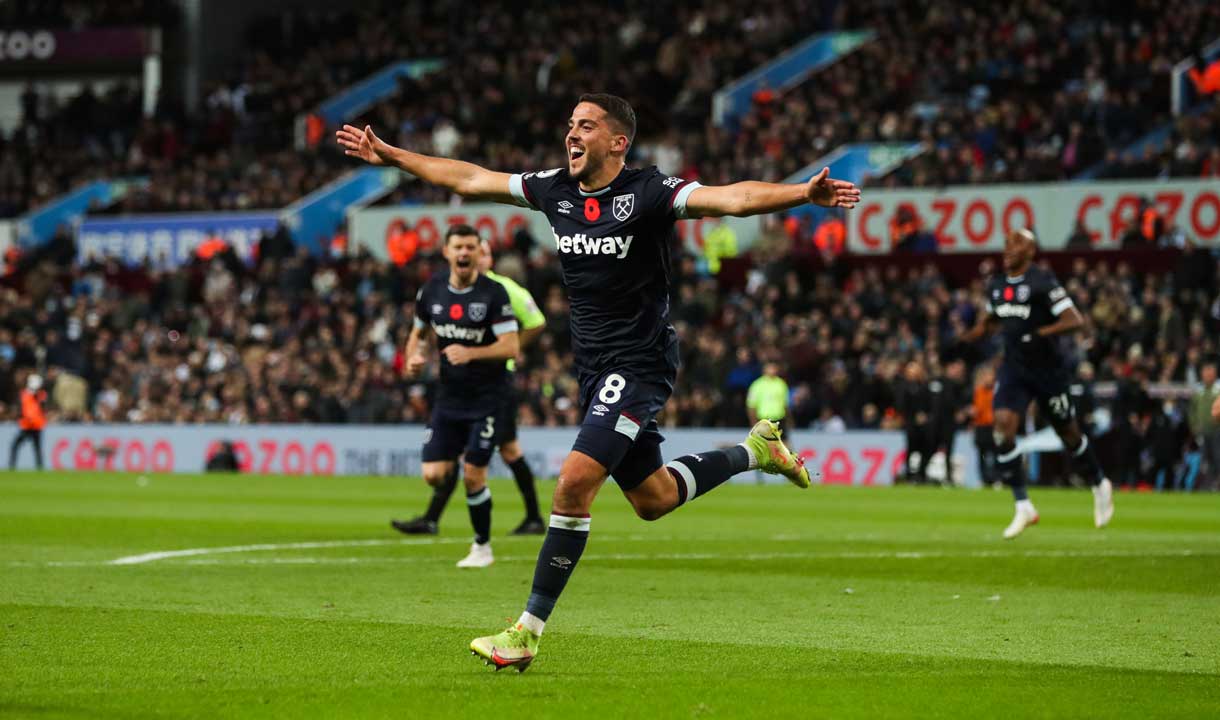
<point x="612" y="389"/>
<point x="490" y="430"/>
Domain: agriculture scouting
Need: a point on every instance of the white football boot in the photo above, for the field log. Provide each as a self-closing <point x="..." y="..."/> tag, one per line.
<point x="1103" y="503"/>
<point x="1025" y="516"/>
<point x="480" y="556"/>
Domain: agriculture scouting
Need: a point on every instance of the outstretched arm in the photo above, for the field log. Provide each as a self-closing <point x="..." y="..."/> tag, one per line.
<point x="465" y="179"/>
<point x="751" y="197"/>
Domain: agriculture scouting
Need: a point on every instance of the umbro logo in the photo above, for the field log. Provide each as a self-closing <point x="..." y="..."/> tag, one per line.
<point x="565" y="207"/>
<point x="600" y="409"/>
<point x="561" y="562"/>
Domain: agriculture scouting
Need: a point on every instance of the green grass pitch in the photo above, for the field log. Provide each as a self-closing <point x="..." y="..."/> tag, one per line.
<point x="754" y="601"/>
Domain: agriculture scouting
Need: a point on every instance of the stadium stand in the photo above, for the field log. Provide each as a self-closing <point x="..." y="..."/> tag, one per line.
<point x="1025" y="101"/>
<point x="1017" y="97"/>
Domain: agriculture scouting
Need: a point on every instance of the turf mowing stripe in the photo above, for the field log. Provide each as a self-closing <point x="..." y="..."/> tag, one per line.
<point x="727" y="556"/>
<point x="851" y="555"/>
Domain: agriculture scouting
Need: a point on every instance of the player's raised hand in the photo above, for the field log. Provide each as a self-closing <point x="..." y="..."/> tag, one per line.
<point x="363" y="144"/>
<point x="826" y="191"/>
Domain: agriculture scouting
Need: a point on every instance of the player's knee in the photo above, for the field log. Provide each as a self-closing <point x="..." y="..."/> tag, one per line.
<point x="1004" y="433"/>
<point x="1070" y="435"/>
<point x="474" y="477"/>
<point x="510" y="452"/>
<point x="574" y="493"/>
<point x="435" y="475"/>
<point x="650" y="511"/>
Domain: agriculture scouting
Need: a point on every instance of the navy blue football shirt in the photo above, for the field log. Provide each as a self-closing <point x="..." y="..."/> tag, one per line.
<point x="1022" y="305"/>
<point x="473" y="316"/>
<point x="614" y="249"/>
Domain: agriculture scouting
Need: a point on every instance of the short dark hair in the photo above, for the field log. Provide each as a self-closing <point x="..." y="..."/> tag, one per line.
<point x="460" y="231"/>
<point x="617" y="109"/>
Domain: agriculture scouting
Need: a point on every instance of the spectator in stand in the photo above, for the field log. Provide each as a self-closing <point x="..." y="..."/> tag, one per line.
<point x="1205" y="76"/>
<point x="1205" y="428"/>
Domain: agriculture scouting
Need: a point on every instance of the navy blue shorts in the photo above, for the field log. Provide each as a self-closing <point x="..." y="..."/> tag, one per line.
<point x="452" y="433"/>
<point x="1016" y="387"/>
<point x="620" y="427"/>
<point x="506" y="420"/>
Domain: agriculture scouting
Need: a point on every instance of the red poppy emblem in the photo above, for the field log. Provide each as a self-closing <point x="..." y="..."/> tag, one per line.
<point x="455" y="312"/>
<point x="1008" y="293"/>
<point x="593" y="209"/>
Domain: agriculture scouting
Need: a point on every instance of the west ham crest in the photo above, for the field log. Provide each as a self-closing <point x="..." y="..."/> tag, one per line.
<point x="478" y="311"/>
<point x="623" y="205"/>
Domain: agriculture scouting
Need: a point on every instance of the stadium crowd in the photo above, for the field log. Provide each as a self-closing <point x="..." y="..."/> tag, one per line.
<point x="296" y="338"/>
<point x="1038" y="92"/>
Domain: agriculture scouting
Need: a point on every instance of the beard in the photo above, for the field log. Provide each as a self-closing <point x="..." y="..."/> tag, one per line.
<point x="586" y="171"/>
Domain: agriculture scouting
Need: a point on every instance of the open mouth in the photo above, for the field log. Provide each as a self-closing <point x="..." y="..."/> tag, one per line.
<point x="575" y="152"/>
<point x="465" y="263"/>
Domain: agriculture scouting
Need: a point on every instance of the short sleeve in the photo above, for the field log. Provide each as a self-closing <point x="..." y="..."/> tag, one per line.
<point x="1057" y="297"/>
<point x="531" y="189"/>
<point x="666" y="195"/>
<point x="988" y="294"/>
<point x="503" y="321"/>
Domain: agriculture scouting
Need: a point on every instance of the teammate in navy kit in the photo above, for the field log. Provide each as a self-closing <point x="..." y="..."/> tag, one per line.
<point x="531" y="322"/>
<point x="613" y="229"/>
<point x="1033" y="312"/>
<point x="476" y="332"/>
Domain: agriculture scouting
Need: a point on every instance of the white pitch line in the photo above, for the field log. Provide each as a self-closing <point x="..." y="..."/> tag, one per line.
<point x="260" y="547"/>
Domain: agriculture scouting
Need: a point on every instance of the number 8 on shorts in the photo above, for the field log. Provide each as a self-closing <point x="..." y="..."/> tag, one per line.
<point x="612" y="389"/>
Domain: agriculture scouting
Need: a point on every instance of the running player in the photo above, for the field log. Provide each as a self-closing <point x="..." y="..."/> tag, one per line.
<point x="613" y="228"/>
<point x="1030" y="308"/>
<point x="531" y="322"/>
<point x="476" y="332"/>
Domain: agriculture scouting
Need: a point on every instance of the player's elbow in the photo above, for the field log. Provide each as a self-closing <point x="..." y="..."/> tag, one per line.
<point x="473" y="182"/>
<point x="464" y="187"/>
<point x="733" y="206"/>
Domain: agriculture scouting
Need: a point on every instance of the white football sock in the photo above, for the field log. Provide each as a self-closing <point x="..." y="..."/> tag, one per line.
<point x="753" y="464"/>
<point x="532" y="623"/>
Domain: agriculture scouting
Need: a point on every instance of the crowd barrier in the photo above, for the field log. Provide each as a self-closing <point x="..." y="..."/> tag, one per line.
<point x="849" y="458"/>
